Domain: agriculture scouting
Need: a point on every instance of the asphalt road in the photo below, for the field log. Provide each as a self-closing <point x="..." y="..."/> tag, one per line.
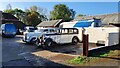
<point x="17" y="53"/>
<point x="11" y="48"/>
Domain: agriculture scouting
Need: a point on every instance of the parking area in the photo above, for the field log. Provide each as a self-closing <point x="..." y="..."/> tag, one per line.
<point x="14" y="49"/>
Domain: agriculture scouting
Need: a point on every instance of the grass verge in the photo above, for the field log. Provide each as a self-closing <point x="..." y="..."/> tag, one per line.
<point x="84" y="59"/>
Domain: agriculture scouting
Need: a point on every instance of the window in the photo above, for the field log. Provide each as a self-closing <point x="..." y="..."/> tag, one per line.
<point x="64" y="31"/>
<point x="67" y="31"/>
<point x="70" y="31"/>
<point x="75" y="31"/>
<point x="52" y="30"/>
<point x="46" y="31"/>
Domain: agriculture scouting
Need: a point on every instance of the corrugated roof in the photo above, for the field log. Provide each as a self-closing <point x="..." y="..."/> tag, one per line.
<point x="9" y="18"/>
<point x="49" y="23"/>
<point x="105" y="18"/>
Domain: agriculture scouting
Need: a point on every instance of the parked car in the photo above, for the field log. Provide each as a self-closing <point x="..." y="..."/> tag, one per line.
<point x="8" y="30"/>
<point x="61" y="36"/>
<point x="30" y="37"/>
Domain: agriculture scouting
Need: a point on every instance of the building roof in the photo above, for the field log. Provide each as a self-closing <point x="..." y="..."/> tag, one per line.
<point x="9" y="18"/>
<point x="52" y="23"/>
<point x="105" y="18"/>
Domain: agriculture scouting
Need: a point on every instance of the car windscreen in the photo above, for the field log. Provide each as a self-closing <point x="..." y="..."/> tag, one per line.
<point x="31" y="29"/>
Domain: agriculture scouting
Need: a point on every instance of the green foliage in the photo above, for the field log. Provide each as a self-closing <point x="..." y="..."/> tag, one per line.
<point x="110" y="53"/>
<point x="106" y="53"/>
<point x="9" y="11"/>
<point x="81" y="60"/>
<point x="77" y="60"/>
<point x="32" y="16"/>
<point x="103" y="55"/>
<point x="61" y="11"/>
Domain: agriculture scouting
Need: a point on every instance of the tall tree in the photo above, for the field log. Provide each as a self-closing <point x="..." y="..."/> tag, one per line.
<point x="19" y="13"/>
<point x="61" y="11"/>
<point x="33" y="16"/>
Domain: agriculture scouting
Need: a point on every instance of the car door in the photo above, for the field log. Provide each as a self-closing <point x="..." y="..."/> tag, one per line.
<point x="64" y="36"/>
<point x="57" y="36"/>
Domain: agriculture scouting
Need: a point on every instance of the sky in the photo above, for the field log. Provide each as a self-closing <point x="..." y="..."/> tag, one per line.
<point x="86" y="8"/>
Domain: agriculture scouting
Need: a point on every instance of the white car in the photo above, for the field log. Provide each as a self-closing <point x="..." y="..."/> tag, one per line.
<point x="61" y="36"/>
<point x="30" y="37"/>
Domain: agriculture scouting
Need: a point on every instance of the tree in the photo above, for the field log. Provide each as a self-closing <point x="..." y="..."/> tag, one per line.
<point x="16" y="12"/>
<point x="61" y="11"/>
<point x="33" y="16"/>
<point x="19" y="13"/>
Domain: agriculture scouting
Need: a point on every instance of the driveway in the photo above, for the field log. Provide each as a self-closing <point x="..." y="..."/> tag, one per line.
<point x="11" y="48"/>
<point x="17" y="53"/>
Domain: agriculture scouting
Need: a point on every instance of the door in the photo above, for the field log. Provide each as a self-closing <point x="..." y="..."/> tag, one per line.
<point x="64" y="36"/>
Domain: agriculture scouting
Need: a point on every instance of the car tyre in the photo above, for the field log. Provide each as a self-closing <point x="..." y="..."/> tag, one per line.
<point x="37" y="42"/>
<point x="33" y="40"/>
<point x="48" y="43"/>
<point x="75" y="40"/>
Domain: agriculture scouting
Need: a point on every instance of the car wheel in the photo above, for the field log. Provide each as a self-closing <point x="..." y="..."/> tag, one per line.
<point x="48" y="43"/>
<point x="75" y="40"/>
<point x="33" y="40"/>
<point x="37" y="42"/>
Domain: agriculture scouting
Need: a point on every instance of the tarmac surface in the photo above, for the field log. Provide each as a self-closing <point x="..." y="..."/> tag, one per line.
<point x="17" y="53"/>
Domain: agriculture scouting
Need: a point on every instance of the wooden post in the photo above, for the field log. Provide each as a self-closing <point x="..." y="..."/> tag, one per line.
<point x="83" y="32"/>
<point x="85" y="45"/>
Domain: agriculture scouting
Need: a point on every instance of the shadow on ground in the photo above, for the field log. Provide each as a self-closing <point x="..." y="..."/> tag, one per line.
<point x="104" y="50"/>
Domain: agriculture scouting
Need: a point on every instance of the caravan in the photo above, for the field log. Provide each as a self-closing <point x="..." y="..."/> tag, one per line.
<point x="81" y="23"/>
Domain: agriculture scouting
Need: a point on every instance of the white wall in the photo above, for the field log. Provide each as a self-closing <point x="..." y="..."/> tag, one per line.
<point x="103" y="34"/>
<point x="113" y="39"/>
